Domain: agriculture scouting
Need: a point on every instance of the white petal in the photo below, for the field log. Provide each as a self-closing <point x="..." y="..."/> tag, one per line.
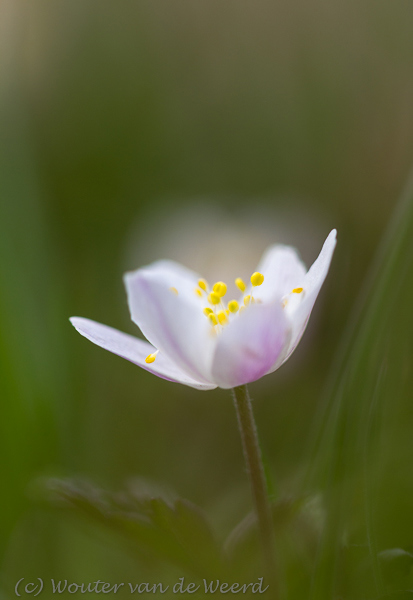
<point x="283" y="270"/>
<point x="299" y="311"/>
<point x="173" y="275"/>
<point x="250" y="345"/>
<point x="174" y="324"/>
<point x="135" y="351"/>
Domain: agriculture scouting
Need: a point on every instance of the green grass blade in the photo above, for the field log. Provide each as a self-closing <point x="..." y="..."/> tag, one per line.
<point x="370" y="382"/>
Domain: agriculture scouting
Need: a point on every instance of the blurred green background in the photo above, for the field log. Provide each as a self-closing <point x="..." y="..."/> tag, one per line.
<point x="124" y="126"/>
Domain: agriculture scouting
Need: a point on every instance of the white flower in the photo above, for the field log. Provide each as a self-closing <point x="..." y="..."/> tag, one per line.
<point x="196" y="339"/>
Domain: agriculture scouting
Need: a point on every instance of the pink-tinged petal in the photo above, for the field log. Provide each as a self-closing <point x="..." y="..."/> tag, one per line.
<point x="283" y="270"/>
<point x="283" y="355"/>
<point x="250" y="345"/>
<point x="174" y="324"/>
<point x="299" y="310"/>
<point x="135" y="351"/>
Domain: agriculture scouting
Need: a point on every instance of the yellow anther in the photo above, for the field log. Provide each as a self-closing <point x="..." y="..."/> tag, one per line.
<point x="233" y="306"/>
<point x="297" y="290"/>
<point x="227" y="312"/>
<point x="198" y="292"/>
<point x="240" y="284"/>
<point x="220" y="288"/>
<point x="222" y="317"/>
<point x="207" y="311"/>
<point x="213" y="318"/>
<point x="174" y="290"/>
<point x="247" y="300"/>
<point x="203" y="284"/>
<point x="214" y="298"/>
<point x="257" y="279"/>
<point x="151" y="358"/>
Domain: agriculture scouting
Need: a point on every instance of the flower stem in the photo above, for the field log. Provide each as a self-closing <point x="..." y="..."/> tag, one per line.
<point x="255" y="469"/>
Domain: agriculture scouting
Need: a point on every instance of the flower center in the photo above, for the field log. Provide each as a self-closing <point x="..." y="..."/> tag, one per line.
<point x="217" y="313"/>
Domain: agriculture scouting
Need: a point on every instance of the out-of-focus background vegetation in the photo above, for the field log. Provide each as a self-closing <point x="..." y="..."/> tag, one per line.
<point x="203" y="131"/>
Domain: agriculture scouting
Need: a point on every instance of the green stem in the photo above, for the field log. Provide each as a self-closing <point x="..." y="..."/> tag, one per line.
<point x="255" y="469"/>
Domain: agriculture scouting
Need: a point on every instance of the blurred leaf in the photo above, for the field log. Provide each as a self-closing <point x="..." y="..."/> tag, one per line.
<point x="297" y="525"/>
<point x="175" y="531"/>
<point x="245" y="533"/>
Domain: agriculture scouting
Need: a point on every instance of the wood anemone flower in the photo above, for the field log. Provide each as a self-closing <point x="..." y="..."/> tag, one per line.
<point x="197" y="338"/>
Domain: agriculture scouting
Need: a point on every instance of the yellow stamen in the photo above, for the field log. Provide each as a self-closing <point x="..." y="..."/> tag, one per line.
<point x="247" y="300"/>
<point x="213" y="318"/>
<point x="222" y="317"/>
<point x="233" y="306"/>
<point x="208" y="311"/>
<point x="174" y="290"/>
<point x="151" y="358"/>
<point x="198" y="292"/>
<point x="214" y="298"/>
<point x="220" y="288"/>
<point x="203" y="284"/>
<point x="227" y="312"/>
<point x="240" y="284"/>
<point x="297" y="290"/>
<point x="257" y="279"/>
